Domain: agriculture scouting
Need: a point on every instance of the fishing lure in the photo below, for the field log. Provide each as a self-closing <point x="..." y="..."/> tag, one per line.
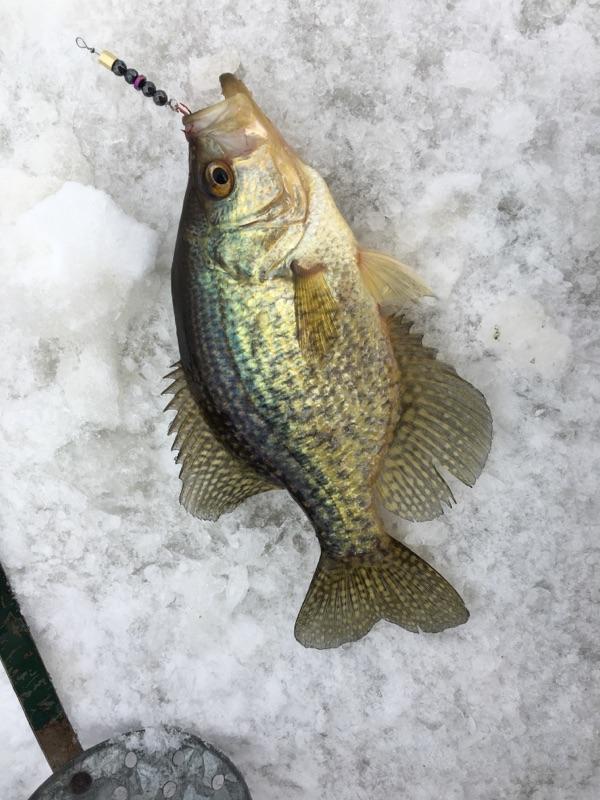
<point x="139" y="82"/>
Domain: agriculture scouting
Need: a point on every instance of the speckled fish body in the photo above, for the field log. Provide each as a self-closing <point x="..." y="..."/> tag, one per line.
<point x="318" y="429"/>
<point x="288" y="371"/>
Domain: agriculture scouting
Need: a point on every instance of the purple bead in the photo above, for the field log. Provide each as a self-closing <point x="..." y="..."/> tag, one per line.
<point x="139" y="82"/>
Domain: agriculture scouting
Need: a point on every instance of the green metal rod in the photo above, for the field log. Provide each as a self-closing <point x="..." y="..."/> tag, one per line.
<point x="32" y="684"/>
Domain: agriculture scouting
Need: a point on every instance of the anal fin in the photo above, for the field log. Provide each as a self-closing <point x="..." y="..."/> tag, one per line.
<point x="213" y="480"/>
<point x="444" y="422"/>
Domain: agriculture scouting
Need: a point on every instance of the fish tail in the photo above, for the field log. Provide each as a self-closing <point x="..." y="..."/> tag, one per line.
<point x="349" y="594"/>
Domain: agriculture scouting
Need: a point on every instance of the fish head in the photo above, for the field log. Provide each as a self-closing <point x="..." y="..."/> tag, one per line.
<point x="250" y="191"/>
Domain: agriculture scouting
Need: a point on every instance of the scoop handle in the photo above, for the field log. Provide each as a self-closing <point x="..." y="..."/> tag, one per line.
<point x="32" y="683"/>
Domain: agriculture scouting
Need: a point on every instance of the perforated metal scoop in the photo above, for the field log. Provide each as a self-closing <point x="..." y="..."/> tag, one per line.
<point x="157" y="763"/>
<point x="150" y="764"/>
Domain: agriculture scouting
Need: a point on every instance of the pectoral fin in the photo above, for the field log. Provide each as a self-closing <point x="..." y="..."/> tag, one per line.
<point x="213" y="480"/>
<point x="316" y="310"/>
<point x="389" y="281"/>
<point x="444" y="421"/>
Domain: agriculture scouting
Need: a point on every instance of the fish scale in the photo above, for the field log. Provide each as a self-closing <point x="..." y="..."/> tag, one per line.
<point x="276" y="376"/>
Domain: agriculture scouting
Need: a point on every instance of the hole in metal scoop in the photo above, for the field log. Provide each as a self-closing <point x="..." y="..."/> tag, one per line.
<point x="80" y="782"/>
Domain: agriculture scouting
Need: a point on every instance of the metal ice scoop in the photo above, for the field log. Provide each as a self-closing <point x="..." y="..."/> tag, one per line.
<point x="152" y="763"/>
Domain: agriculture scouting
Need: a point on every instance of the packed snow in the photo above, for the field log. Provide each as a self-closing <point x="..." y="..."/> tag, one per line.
<point x="461" y="136"/>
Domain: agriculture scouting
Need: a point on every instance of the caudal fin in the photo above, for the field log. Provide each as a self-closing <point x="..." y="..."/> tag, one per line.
<point x="347" y="596"/>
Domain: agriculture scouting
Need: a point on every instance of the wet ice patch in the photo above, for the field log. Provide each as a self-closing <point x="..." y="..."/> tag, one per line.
<point x="467" y="69"/>
<point x="513" y="124"/>
<point x="519" y="329"/>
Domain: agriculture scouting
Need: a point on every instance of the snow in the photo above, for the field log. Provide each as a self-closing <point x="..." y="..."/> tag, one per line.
<point x="461" y="136"/>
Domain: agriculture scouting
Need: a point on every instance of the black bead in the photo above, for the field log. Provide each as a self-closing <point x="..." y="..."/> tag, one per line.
<point x="160" y="97"/>
<point x="131" y="75"/>
<point x="148" y="89"/>
<point x="119" y="67"/>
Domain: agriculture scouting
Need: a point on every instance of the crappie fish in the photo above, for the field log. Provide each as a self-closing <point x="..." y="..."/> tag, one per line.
<point x="297" y="372"/>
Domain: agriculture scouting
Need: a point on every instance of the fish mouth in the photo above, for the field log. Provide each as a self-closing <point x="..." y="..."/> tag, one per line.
<point x="230" y="86"/>
<point x="235" y="126"/>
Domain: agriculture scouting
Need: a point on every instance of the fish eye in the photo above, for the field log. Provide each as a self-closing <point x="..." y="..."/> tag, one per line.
<point x="218" y="177"/>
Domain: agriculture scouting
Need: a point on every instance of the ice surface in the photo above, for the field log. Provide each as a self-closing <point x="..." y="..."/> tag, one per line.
<point x="464" y="138"/>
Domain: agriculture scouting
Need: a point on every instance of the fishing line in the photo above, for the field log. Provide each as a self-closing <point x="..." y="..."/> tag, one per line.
<point x="139" y="82"/>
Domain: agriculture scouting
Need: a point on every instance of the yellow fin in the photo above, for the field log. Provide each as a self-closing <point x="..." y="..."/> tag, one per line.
<point x="389" y="281"/>
<point x="316" y="310"/>
<point x="347" y="596"/>
<point x="213" y="480"/>
<point x="444" y="421"/>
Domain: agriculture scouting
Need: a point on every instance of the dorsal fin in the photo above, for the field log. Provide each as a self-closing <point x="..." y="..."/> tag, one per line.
<point x="444" y="421"/>
<point x="389" y="281"/>
<point x="213" y="480"/>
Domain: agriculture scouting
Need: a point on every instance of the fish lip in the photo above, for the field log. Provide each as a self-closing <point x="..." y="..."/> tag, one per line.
<point x="198" y="116"/>
<point x="235" y="125"/>
<point x="232" y="88"/>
